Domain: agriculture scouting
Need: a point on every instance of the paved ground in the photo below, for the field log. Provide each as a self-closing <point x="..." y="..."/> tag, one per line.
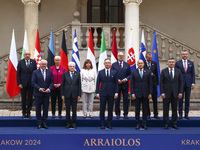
<point x="79" y="113"/>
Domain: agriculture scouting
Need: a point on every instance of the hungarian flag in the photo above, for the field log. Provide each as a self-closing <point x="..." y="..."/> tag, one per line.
<point x="11" y="84"/>
<point x="51" y="54"/>
<point x="103" y="54"/>
<point x="37" y="54"/>
<point x="90" y="53"/>
<point x="25" y="45"/>
<point x="63" y="53"/>
<point x="114" y="49"/>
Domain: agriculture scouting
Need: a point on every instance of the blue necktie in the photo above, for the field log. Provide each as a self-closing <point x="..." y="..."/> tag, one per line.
<point x="72" y="76"/>
<point x="141" y="74"/>
<point x="171" y="74"/>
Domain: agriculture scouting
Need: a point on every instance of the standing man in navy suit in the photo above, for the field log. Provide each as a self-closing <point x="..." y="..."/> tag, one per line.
<point x="171" y="88"/>
<point x="188" y="73"/>
<point x="43" y="82"/>
<point x="152" y="66"/>
<point x="108" y="91"/>
<point x="25" y="69"/>
<point x="123" y="72"/>
<point x="141" y="91"/>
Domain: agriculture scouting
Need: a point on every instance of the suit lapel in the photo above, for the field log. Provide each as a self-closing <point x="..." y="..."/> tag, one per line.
<point x="69" y="77"/>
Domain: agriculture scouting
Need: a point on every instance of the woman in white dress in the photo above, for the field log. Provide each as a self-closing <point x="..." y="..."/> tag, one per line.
<point x="88" y="83"/>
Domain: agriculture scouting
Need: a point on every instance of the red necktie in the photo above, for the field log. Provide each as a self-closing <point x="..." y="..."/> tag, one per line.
<point x="185" y="66"/>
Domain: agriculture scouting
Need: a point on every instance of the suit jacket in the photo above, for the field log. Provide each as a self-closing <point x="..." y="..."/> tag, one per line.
<point x="141" y="87"/>
<point x="189" y="75"/>
<point x="38" y="82"/>
<point x="71" y="87"/>
<point x="125" y="72"/>
<point x="24" y="74"/>
<point x="169" y="86"/>
<point x="109" y="85"/>
<point x="153" y="70"/>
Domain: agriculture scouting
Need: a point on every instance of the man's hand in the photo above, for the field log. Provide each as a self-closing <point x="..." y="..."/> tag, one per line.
<point x="98" y="96"/>
<point x="20" y="86"/>
<point x="63" y="98"/>
<point x="179" y="96"/>
<point x="47" y="91"/>
<point x="116" y="96"/>
<point x="192" y="86"/>
<point x="133" y="96"/>
<point x="150" y="96"/>
<point x="78" y="98"/>
<point x="119" y="81"/>
<point x="163" y="96"/>
<point x="42" y="90"/>
<point x="124" y="80"/>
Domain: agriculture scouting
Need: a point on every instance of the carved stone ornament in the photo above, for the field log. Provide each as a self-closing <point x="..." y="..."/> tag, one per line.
<point x="31" y="1"/>
<point x="132" y="1"/>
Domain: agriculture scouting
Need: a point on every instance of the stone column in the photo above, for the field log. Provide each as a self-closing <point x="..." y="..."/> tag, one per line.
<point x="132" y="23"/>
<point x="31" y="22"/>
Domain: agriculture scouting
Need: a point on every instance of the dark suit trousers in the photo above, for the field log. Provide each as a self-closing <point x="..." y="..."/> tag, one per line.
<point x="138" y="102"/>
<point x="155" y="102"/>
<point x="186" y="93"/>
<point x="56" y="94"/>
<point x="166" y="103"/>
<point x="73" y="103"/>
<point x="24" y="92"/>
<point x="103" y="101"/>
<point x="39" y="101"/>
<point x="125" y="102"/>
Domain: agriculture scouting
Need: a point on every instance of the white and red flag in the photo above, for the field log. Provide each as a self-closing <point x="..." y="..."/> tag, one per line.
<point x="114" y="49"/>
<point x="37" y="54"/>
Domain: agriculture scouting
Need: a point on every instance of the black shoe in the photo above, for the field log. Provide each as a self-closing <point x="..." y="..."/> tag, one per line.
<point x="23" y="116"/>
<point x="186" y="117"/>
<point x="68" y="126"/>
<point x="102" y="127"/>
<point x="109" y="127"/>
<point x="156" y="117"/>
<point x="148" y="116"/>
<point x="137" y="127"/>
<point x="180" y="117"/>
<point x="175" y="127"/>
<point x="53" y="116"/>
<point x="60" y="116"/>
<point x="144" y="127"/>
<point x="118" y="116"/>
<point x="29" y="116"/>
<point x="45" y="126"/>
<point x="166" y="127"/>
<point x="74" y="125"/>
<point x="125" y="116"/>
<point x="39" y="126"/>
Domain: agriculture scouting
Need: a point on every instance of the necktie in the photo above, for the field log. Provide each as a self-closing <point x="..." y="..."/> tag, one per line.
<point x="171" y="74"/>
<point x="72" y="76"/>
<point x="27" y="64"/>
<point x="141" y="74"/>
<point x="107" y="73"/>
<point x="149" y="65"/>
<point x="43" y="74"/>
<point x="185" y="68"/>
<point x="120" y="65"/>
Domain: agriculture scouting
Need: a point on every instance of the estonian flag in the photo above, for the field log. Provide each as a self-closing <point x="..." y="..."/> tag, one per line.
<point x="51" y="53"/>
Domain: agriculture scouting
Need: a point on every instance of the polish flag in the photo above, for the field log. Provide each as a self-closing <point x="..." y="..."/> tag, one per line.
<point x="90" y="52"/>
<point x="37" y="54"/>
<point x="114" y="49"/>
<point x="11" y="84"/>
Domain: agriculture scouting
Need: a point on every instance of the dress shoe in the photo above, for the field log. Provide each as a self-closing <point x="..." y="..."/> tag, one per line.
<point x="29" y="116"/>
<point x="125" y="116"/>
<point x="68" y="126"/>
<point x="144" y="127"/>
<point x="60" y="116"/>
<point x="137" y="127"/>
<point x="175" y="127"/>
<point x="45" y="126"/>
<point x="74" y="126"/>
<point x="109" y="127"/>
<point x="186" y="117"/>
<point x="166" y="127"/>
<point x="39" y="126"/>
<point x="91" y="116"/>
<point x="118" y="116"/>
<point x="180" y="117"/>
<point x="156" y="117"/>
<point x="53" y="116"/>
<point x="148" y="116"/>
<point x="84" y="116"/>
<point x="23" y="116"/>
<point x="102" y="127"/>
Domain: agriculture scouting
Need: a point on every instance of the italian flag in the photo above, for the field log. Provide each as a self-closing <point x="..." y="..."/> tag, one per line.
<point x="114" y="49"/>
<point x="90" y="53"/>
<point x="25" y="45"/>
<point x="11" y="84"/>
<point x="103" y="54"/>
<point x="37" y="53"/>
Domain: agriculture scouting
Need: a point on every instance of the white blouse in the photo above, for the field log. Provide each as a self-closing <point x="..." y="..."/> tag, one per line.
<point x="88" y="80"/>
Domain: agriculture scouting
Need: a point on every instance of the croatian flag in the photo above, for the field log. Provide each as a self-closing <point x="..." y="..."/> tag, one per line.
<point x="131" y="54"/>
<point x="75" y="53"/>
<point x="143" y="48"/>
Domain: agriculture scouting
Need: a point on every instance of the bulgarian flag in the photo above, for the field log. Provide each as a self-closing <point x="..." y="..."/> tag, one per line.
<point x="114" y="49"/>
<point x="37" y="54"/>
<point x="25" y="45"/>
<point x="11" y="84"/>
<point x="90" y="53"/>
<point x="103" y="54"/>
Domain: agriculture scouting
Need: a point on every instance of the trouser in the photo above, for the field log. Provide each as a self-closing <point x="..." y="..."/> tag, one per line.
<point x="155" y="102"/>
<point x="71" y="102"/>
<point x="54" y="95"/>
<point x="87" y="98"/>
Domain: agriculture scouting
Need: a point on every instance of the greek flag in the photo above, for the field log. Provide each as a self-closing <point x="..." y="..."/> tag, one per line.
<point x="143" y="48"/>
<point x="75" y="53"/>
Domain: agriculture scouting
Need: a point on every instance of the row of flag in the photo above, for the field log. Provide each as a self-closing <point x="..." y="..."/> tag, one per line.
<point x="12" y="87"/>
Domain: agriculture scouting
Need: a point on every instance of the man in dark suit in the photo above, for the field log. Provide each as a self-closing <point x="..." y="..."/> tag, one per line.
<point x="141" y="91"/>
<point x="123" y="72"/>
<point x="42" y="80"/>
<point x="188" y="73"/>
<point x="71" y="93"/>
<point x="171" y="88"/>
<point x="25" y="69"/>
<point x="152" y="66"/>
<point x="108" y="91"/>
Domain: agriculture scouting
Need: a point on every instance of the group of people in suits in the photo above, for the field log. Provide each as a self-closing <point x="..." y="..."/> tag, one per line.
<point x="176" y="81"/>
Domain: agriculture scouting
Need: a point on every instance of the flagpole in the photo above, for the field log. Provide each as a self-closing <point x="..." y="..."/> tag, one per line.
<point x="13" y="104"/>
